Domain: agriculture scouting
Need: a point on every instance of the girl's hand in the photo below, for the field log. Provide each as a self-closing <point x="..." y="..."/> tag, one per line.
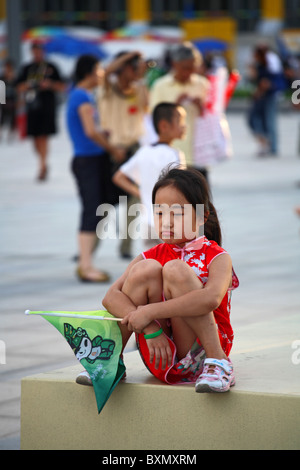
<point x="160" y="350"/>
<point x="138" y="320"/>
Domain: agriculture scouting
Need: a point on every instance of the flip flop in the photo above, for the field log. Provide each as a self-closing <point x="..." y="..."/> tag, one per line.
<point x="103" y="277"/>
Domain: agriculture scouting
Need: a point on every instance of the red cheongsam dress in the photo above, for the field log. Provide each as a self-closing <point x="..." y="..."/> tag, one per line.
<point x="199" y="255"/>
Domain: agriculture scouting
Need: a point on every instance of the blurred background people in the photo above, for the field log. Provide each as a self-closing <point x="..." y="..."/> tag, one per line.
<point x="40" y="81"/>
<point x="267" y="75"/>
<point x="91" y="162"/>
<point x="139" y="175"/>
<point x="8" y="111"/>
<point x="212" y="136"/>
<point x="184" y="86"/>
<point x="123" y="103"/>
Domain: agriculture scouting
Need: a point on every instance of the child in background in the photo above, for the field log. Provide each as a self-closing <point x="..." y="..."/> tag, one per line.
<point x="139" y="175"/>
<point x="176" y="296"/>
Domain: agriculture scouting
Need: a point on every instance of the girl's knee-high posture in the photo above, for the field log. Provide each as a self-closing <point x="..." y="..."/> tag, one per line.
<point x="176" y="297"/>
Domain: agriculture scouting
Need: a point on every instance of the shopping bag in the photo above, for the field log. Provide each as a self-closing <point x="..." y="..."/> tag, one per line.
<point x="212" y="140"/>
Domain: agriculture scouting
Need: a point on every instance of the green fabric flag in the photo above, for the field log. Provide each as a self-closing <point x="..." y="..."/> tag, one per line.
<point x="96" y="341"/>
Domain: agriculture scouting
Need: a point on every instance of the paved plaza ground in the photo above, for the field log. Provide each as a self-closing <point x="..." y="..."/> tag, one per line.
<point x="255" y="199"/>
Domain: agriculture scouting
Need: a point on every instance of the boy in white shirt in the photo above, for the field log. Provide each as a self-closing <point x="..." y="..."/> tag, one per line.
<point x="139" y="175"/>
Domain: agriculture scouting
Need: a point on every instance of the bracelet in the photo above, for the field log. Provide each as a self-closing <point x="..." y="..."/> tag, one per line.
<point x="154" y="335"/>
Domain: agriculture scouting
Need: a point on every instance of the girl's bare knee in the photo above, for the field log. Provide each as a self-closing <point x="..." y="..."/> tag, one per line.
<point x="179" y="278"/>
<point x="177" y="271"/>
<point x="145" y="270"/>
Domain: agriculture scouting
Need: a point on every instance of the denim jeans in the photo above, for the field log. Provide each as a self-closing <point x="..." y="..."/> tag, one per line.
<point x="263" y="119"/>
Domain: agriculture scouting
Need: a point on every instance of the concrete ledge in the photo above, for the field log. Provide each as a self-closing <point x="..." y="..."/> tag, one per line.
<point x="143" y="414"/>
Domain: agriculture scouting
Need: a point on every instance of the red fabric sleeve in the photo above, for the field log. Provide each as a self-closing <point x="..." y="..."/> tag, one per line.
<point x="213" y="251"/>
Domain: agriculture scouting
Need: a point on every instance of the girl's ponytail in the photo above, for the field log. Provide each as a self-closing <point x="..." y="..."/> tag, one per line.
<point x="212" y="229"/>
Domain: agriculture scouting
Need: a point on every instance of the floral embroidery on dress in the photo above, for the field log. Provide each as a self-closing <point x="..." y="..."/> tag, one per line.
<point x="190" y="255"/>
<point x="192" y="364"/>
<point x="198" y="254"/>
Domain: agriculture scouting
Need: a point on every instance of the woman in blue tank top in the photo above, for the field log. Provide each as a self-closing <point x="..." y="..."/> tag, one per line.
<point x="91" y="164"/>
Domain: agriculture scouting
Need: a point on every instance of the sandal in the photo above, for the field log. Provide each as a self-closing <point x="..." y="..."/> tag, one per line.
<point x="100" y="277"/>
<point x="217" y="376"/>
<point x="43" y="174"/>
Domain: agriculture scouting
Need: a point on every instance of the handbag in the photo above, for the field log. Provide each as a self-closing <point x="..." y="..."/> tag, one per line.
<point x="212" y="140"/>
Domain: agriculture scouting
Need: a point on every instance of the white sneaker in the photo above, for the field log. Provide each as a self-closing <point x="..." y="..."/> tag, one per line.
<point x="217" y="376"/>
<point x="84" y="379"/>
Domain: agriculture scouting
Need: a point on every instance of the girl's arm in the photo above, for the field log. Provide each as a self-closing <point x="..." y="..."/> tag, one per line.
<point x="115" y="301"/>
<point x="195" y="303"/>
<point x="119" y="304"/>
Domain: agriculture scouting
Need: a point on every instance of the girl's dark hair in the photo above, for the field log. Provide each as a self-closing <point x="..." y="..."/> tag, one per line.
<point x="84" y="67"/>
<point x="192" y="184"/>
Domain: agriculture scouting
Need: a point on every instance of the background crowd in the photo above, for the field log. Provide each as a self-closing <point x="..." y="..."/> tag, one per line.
<point x="109" y="118"/>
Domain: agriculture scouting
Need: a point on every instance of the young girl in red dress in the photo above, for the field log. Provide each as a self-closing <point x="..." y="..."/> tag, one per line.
<point x="176" y="297"/>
